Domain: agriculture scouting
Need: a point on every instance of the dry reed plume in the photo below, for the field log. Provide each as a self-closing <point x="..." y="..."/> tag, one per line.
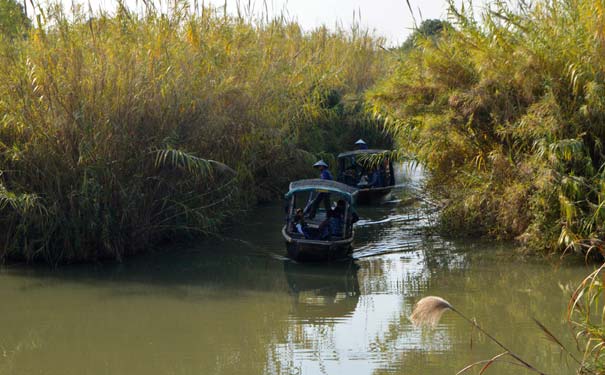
<point x="429" y="310"/>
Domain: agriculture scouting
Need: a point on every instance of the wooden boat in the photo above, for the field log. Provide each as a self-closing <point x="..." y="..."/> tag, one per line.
<point x="310" y="246"/>
<point x="357" y="168"/>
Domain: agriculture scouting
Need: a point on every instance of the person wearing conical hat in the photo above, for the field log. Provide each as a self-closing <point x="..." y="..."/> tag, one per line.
<point x="325" y="174"/>
<point x="361" y="144"/>
<point x="323" y="169"/>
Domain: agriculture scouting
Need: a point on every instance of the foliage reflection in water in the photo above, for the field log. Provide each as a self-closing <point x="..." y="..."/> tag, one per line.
<point x="237" y="306"/>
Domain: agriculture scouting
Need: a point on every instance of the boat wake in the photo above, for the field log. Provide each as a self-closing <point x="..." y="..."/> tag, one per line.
<point x="398" y="230"/>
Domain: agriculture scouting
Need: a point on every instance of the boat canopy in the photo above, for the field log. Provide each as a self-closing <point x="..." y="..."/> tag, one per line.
<point x="360" y="152"/>
<point x="348" y="192"/>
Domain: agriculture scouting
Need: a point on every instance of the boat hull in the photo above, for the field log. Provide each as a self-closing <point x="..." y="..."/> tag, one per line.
<point x="303" y="250"/>
<point x="367" y="196"/>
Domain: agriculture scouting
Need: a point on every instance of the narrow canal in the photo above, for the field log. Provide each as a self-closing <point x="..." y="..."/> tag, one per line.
<point x="237" y="306"/>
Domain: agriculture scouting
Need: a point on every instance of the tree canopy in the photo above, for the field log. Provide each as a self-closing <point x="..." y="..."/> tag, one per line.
<point x="13" y="20"/>
<point x="428" y="28"/>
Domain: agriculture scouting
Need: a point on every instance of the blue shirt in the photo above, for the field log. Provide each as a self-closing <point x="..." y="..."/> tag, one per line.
<point x="376" y="180"/>
<point x="326" y="175"/>
<point x="336" y="224"/>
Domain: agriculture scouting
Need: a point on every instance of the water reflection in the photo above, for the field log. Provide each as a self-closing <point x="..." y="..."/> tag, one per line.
<point x="323" y="291"/>
<point x="235" y="306"/>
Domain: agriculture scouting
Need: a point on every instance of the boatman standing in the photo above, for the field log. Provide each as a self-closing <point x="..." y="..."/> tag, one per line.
<point x="325" y="174"/>
<point x="323" y="170"/>
<point x="361" y="144"/>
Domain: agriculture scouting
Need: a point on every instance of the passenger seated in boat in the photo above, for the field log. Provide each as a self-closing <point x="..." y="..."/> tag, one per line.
<point x="376" y="179"/>
<point x="341" y="206"/>
<point x="372" y="178"/>
<point x="333" y="226"/>
<point x="336" y="223"/>
<point x="301" y="227"/>
<point x="298" y="222"/>
<point x="385" y="172"/>
<point x="363" y="181"/>
<point x="350" y="176"/>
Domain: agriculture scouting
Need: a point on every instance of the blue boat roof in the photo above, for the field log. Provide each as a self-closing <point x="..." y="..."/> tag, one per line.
<point x="317" y="184"/>
<point x="360" y="152"/>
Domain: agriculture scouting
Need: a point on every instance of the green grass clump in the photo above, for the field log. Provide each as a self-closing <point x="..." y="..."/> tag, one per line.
<point x="121" y="130"/>
<point x="507" y="112"/>
<point x="586" y="315"/>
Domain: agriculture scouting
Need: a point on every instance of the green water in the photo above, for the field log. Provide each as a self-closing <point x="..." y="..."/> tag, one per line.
<point x="237" y="306"/>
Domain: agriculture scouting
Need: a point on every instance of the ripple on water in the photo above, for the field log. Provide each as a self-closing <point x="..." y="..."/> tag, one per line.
<point x="391" y="230"/>
<point x="237" y="306"/>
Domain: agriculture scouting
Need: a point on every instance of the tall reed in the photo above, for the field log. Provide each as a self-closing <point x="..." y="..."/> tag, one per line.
<point x="586" y="314"/>
<point x="506" y="110"/>
<point x="116" y="129"/>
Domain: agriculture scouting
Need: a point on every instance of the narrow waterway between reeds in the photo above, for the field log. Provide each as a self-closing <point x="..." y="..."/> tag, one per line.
<point x="237" y="306"/>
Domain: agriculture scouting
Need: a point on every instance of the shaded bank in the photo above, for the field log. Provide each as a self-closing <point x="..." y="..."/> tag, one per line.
<point x="111" y="123"/>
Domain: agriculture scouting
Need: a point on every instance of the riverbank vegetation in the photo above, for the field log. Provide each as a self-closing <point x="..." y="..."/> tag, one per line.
<point x="119" y="130"/>
<point x="586" y="315"/>
<point x="506" y="109"/>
